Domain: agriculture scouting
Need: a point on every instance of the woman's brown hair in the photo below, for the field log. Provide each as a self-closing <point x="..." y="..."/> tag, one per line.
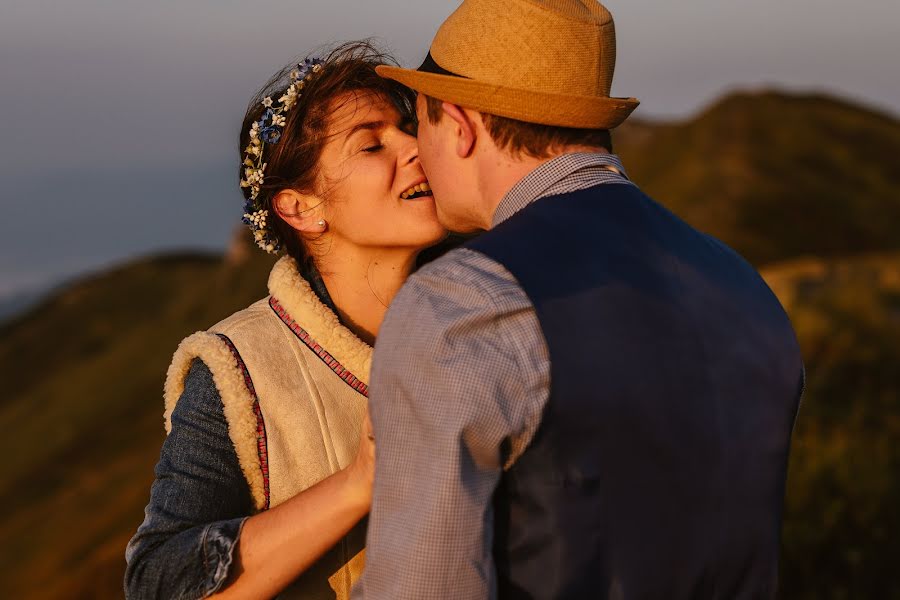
<point x="292" y="162"/>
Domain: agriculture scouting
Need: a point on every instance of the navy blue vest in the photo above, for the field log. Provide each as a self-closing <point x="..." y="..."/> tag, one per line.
<point x="659" y="467"/>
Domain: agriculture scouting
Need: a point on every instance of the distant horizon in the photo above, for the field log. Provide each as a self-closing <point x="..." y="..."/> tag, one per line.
<point x="213" y="235"/>
<point x="104" y="93"/>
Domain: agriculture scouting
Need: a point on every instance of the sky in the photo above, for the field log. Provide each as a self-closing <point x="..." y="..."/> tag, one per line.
<point x="119" y="119"/>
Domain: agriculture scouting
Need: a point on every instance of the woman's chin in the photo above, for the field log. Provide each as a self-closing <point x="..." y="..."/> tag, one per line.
<point x="425" y="209"/>
<point x="428" y="238"/>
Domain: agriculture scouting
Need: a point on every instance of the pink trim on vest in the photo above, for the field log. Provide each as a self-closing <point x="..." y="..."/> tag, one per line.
<point x="348" y="377"/>
<point x="261" y="444"/>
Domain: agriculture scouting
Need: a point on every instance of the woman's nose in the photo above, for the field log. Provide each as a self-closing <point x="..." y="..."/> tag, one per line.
<point x="409" y="152"/>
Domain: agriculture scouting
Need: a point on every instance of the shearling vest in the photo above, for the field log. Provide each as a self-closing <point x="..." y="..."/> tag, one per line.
<point x="293" y="383"/>
<point x="659" y="466"/>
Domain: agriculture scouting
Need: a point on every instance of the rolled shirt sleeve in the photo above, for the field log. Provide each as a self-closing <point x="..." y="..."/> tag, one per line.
<point x="198" y="502"/>
<point x="460" y="378"/>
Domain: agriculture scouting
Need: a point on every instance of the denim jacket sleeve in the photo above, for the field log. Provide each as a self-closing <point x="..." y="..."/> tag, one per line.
<point x="198" y="502"/>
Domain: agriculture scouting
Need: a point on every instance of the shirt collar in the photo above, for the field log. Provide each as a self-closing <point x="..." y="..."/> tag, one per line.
<point x="538" y="182"/>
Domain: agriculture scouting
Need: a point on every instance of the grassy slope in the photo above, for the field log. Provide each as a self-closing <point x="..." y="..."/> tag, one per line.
<point x="83" y="420"/>
<point x="776" y="176"/>
<point x="842" y="527"/>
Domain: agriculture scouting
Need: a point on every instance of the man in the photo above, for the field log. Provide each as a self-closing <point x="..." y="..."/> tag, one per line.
<point x="591" y="399"/>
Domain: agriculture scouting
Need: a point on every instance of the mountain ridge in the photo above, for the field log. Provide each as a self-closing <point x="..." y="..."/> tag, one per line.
<point x="776" y="176"/>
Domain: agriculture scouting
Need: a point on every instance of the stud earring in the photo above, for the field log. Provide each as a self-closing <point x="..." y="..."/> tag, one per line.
<point x="321" y="223"/>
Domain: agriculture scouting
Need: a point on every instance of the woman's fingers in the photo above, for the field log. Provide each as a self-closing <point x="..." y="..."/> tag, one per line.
<point x="367" y="427"/>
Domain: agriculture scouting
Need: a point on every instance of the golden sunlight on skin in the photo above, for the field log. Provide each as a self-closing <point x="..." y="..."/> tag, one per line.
<point x="469" y="174"/>
<point x="368" y="165"/>
<point x="377" y="216"/>
<point x="446" y="172"/>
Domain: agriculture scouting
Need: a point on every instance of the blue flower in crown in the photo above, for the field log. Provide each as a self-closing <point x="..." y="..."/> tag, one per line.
<point x="309" y="65"/>
<point x="270" y="126"/>
<point x="249" y="208"/>
<point x="270" y="135"/>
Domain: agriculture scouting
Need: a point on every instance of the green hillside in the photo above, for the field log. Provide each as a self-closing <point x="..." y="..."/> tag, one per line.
<point x="842" y="526"/>
<point x="807" y="187"/>
<point x="82" y="412"/>
<point x="776" y="176"/>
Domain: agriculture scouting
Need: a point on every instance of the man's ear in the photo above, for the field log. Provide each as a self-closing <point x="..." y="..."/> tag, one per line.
<point x="300" y="211"/>
<point x="466" y="133"/>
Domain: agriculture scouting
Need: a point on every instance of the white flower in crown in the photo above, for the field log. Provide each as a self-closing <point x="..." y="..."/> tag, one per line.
<point x="279" y="120"/>
<point x="258" y="218"/>
<point x="289" y="98"/>
<point x="253" y="176"/>
<point x="256" y="176"/>
<point x="267" y="102"/>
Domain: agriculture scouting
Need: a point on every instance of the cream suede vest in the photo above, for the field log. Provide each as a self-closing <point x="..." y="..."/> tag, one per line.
<point x="293" y="382"/>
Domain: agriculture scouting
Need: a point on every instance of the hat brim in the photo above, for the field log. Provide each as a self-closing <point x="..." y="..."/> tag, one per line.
<point x="531" y="106"/>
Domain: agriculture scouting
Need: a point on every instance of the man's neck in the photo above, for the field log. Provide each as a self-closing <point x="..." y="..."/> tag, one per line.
<point x="501" y="171"/>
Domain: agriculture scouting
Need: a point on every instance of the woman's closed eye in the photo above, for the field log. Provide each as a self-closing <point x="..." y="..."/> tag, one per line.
<point x="373" y="148"/>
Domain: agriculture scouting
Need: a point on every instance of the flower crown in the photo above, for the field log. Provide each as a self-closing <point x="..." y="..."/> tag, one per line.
<point x="267" y="131"/>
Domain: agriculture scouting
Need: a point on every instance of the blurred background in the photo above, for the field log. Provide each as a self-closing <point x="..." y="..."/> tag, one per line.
<point x="772" y="125"/>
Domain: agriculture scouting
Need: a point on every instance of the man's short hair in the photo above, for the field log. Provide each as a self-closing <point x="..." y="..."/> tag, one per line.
<point x="531" y="139"/>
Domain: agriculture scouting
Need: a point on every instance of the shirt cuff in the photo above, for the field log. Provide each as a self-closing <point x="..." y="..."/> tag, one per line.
<point x="218" y="542"/>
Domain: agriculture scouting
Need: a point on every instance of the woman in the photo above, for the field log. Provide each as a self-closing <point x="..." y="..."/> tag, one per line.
<point x="266" y="472"/>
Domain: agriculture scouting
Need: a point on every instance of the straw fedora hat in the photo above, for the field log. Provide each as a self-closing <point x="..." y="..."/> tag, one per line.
<point x="549" y="62"/>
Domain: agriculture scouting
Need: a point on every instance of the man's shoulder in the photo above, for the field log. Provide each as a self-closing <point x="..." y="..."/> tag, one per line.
<point x="462" y="260"/>
<point x="462" y="286"/>
<point x="462" y="274"/>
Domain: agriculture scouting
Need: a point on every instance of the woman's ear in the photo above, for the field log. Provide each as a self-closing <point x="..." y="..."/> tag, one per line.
<point x="300" y="211"/>
<point x="465" y="129"/>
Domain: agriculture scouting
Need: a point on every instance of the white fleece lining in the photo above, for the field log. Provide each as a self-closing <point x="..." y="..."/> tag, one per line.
<point x="300" y="301"/>
<point x="237" y="401"/>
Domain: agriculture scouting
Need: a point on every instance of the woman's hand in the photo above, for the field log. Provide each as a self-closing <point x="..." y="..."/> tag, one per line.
<point x="361" y="472"/>
<point x="277" y="545"/>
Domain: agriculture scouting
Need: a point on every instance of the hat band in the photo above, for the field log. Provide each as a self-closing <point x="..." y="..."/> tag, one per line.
<point x="430" y="66"/>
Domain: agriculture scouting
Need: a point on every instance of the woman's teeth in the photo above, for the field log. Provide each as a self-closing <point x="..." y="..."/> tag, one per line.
<point x="417" y="191"/>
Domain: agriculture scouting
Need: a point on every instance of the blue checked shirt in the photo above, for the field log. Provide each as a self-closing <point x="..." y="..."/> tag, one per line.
<point x="460" y="378"/>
